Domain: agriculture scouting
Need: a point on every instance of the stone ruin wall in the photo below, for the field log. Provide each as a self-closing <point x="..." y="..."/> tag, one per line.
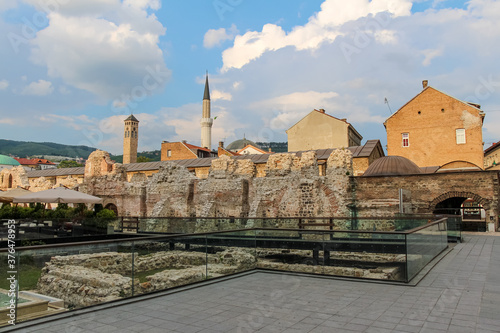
<point x="291" y="187"/>
<point x="379" y="197"/>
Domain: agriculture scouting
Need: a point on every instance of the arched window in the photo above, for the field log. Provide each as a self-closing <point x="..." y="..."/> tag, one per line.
<point x="9" y="185"/>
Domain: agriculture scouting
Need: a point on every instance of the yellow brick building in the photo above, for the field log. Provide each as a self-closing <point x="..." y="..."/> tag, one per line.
<point x="435" y="129"/>
<point x="492" y="157"/>
<point x="319" y="130"/>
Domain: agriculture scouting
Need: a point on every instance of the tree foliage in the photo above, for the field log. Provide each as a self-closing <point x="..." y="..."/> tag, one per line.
<point x="69" y="164"/>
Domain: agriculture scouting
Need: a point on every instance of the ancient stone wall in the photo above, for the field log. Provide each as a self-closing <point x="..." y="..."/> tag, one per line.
<point x="13" y="177"/>
<point x="378" y="196"/>
<point x="99" y="164"/>
<point x="291" y="187"/>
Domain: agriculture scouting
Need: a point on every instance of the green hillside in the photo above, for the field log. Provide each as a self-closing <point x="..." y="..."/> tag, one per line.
<point x="145" y="156"/>
<point x="26" y="149"/>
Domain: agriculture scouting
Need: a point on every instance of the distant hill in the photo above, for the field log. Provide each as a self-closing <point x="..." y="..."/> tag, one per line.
<point x="27" y="149"/>
<point x="154" y="155"/>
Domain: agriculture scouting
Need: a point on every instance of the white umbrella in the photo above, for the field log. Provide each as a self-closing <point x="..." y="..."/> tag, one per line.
<point x="9" y="195"/>
<point x="58" y="195"/>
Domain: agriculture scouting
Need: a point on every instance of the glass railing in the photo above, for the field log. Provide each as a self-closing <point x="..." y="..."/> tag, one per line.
<point x="42" y="229"/>
<point x="175" y="225"/>
<point x="56" y="278"/>
<point x="423" y="244"/>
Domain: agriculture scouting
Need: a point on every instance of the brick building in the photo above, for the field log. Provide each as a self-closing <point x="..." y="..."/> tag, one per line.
<point x="435" y="129"/>
<point x="492" y="157"/>
<point x="182" y="151"/>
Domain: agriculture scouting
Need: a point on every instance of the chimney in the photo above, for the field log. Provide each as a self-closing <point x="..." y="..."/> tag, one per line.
<point x="270" y="150"/>
<point x="221" y="144"/>
<point x="425" y="83"/>
<point x="322" y="110"/>
<point x="184" y="141"/>
<point x="474" y="105"/>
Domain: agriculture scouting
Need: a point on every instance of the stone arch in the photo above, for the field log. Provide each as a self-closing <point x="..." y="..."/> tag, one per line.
<point x="9" y="181"/>
<point x="458" y="194"/>
<point x="112" y="206"/>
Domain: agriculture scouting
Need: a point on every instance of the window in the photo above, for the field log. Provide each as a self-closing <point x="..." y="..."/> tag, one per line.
<point x="169" y="153"/>
<point x="460" y="132"/>
<point x="406" y="140"/>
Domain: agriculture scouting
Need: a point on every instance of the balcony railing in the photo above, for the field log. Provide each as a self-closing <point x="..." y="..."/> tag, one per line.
<point x="88" y="273"/>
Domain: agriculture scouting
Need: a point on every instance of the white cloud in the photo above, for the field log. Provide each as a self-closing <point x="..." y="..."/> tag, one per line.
<point x="430" y="54"/>
<point x="109" y="48"/>
<point x="7" y="121"/>
<point x="39" y="88"/>
<point x="283" y="111"/>
<point x="386" y="37"/>
<point x="215" y="37"/>
<point x="220" y="95"/>
<point x="322" y="27"/>
<point x="7" y="4"/>
<point x="236" y="85"/>
<point x="4" y="84"/>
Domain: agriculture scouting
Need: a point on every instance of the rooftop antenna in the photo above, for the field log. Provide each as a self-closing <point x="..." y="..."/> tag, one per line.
<point x="387" y="102"/>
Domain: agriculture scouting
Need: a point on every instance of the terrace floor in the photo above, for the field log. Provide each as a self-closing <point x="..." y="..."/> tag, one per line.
<point x="460" y="294"/>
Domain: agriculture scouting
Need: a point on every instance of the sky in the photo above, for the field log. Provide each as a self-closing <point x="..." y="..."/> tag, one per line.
<point x="72" y="70"/>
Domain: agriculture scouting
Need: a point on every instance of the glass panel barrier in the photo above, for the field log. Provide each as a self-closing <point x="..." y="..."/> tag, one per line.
<point x="9" y="283"/>
<point x="454" y="228"/>
<point x="424" y="245"/>
<point x="230" y="252"/>
<point x="290" y="250"/>
<point x="367" y="255"/>
<point x="76" y="276"/>
<point x="72" y="276"/>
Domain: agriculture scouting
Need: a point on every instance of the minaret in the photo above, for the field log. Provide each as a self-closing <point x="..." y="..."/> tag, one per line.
<point x="130" y="140"/>
<point x="206" y="121"/>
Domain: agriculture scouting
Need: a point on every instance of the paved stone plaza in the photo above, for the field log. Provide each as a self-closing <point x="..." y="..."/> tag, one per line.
<point x="461" y="294"/>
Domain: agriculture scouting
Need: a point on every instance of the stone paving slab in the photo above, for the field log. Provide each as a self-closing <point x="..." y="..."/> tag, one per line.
<point x="460" y="294"/>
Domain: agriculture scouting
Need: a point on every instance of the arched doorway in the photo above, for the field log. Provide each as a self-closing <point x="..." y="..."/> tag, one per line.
<point x="9" y="182"/>
<point x="112" y="206"/>
<point x="468" y="205"/>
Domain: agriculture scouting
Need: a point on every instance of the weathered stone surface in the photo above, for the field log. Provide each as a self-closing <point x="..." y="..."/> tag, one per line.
<point x="18" y="176"/>
<point x="245" y="168"/>
<point x="176" y="277"/>
<point x="41" y="184"/>
<point x="99" y="164"/>
<point x="279" y="164"/>
<point x="387" y="273"/>
<point x="81" y="286"/>
<point x="86" y="279"/>
<point x="339" y="162"/>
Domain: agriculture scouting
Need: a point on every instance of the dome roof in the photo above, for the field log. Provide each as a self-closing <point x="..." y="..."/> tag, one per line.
<point x="240" y="144"/>
<point x="6" y="160"/>
<point x="392" y="166"/>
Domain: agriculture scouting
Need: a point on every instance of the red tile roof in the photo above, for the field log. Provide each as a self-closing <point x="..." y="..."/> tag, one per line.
<point x="493" y="147"/>
<point x="34" y="161"/>
<point x="43" y="161"/>
<point x="25" y="161"/>
<point x="190" y="146"/>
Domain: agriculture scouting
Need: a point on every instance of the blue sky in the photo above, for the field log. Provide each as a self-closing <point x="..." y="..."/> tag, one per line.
<point x="71" y="71"/>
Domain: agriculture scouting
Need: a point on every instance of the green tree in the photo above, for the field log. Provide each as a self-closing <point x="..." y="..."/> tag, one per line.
<point x="141" y="159"/>
<point x="69" y="164"/>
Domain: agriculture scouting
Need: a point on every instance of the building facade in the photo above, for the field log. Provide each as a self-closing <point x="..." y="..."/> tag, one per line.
<point x="319" y="130"/>
<point x="435" y="129"/>
<point x="492" y="157"/>
<point x="171" y="151"/>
